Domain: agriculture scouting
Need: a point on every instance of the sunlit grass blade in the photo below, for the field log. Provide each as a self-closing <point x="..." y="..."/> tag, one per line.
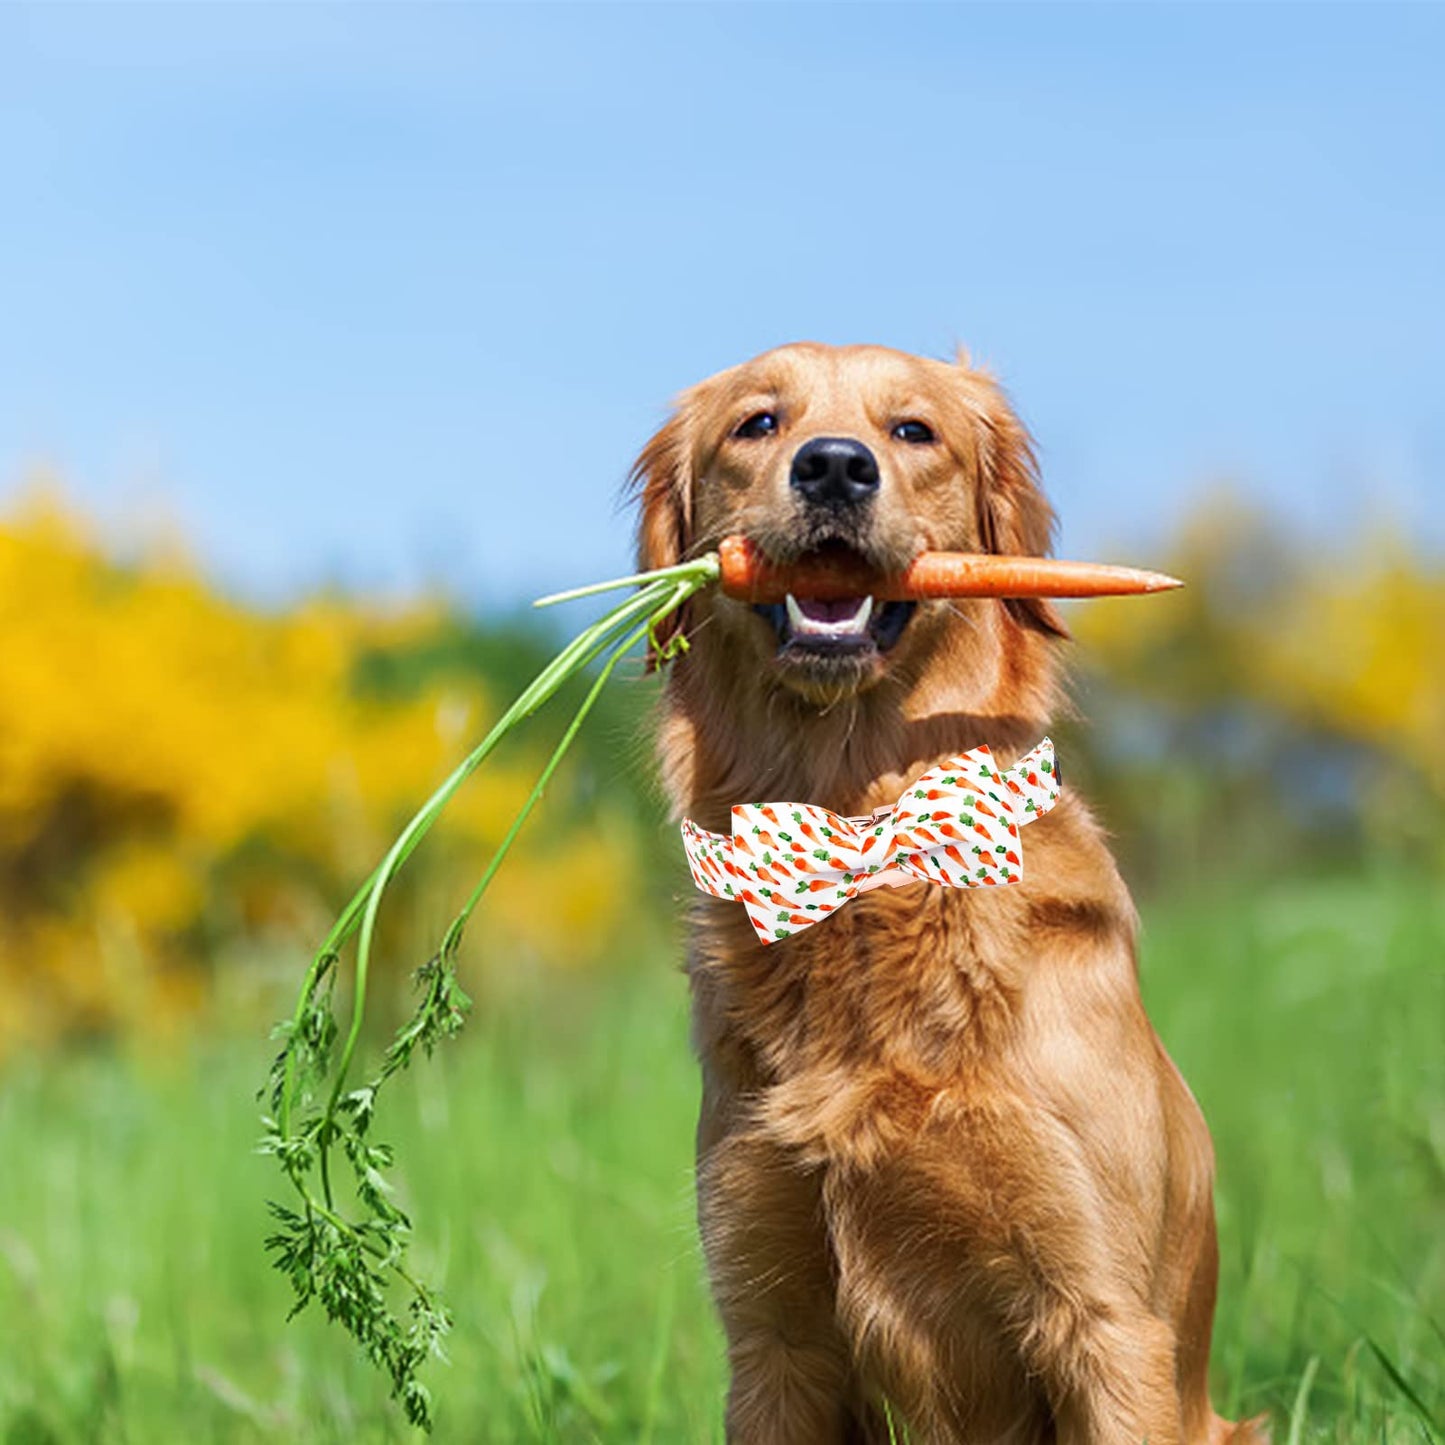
<point x="1427" y="1418"/>
<point x="1299" y="1411"/>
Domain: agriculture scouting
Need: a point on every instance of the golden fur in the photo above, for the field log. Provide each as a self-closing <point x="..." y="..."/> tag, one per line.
<point x="943" y="1159"/>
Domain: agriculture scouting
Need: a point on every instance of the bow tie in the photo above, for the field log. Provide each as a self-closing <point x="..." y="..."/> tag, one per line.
<point x="792" y="864"/>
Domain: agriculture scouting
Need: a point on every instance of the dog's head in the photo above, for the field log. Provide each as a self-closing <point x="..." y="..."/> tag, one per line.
<point x="810" y="450"/>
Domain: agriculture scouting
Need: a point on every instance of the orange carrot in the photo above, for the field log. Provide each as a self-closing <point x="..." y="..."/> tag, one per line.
<point x="751" y="577"/>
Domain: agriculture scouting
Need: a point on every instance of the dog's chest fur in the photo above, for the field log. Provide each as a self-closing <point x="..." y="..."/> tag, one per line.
<point x="849" y="1036"/>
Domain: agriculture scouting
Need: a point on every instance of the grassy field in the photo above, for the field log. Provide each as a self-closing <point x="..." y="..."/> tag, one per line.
<point x="548" y="1160"/>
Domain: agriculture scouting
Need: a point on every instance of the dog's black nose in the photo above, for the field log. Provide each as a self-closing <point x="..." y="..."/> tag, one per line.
<point x="835" y="470"/>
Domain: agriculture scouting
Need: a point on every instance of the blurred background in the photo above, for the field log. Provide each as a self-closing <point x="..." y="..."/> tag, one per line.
<point x="327" y="335"/>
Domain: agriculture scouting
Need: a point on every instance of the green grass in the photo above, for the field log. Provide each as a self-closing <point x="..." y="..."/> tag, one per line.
<point x="549" y="1159"/>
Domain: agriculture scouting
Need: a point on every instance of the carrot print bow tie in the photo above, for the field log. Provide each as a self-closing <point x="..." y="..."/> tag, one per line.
<point x="792" y="864"/>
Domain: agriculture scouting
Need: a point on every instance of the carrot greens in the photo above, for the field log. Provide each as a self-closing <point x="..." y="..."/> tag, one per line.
<point x="351" y="1260"/>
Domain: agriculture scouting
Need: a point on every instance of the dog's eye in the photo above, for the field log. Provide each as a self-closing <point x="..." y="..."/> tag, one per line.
<point x="916" y="433"/>
<point x="759" y="424"/>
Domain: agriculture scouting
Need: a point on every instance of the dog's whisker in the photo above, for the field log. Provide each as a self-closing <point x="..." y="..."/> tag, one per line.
<point x="958" y="612"/>
<point x="852" y="722"/>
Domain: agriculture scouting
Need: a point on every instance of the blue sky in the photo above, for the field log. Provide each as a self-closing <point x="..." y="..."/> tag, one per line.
<point x="392" y="294"/>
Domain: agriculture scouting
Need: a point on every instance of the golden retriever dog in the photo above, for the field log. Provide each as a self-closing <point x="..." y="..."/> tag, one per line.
<point x="947" y="1175"/>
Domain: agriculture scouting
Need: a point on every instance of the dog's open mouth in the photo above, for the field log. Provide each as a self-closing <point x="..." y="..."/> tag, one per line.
<point x="840" y="638"/>
<point x="852" y="625"/>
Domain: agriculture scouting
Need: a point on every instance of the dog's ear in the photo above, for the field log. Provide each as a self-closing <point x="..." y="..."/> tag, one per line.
<point x="660" y="485"/>
<point x="1014" y="516"/>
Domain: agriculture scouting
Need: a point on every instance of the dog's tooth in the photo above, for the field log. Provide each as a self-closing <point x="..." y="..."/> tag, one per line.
<point x="796" y="620"/>
<point x="864" y="615"/>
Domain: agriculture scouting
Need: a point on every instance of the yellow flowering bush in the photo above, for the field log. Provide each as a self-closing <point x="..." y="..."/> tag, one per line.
<point x="1338" y="646"/>
<point x="180" y="772"/>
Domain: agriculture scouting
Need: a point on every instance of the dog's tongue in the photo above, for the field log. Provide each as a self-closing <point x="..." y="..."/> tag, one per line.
<point x="841" y="610"/>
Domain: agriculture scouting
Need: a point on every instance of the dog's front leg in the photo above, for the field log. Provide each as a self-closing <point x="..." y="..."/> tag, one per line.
<point x="1112" y="1382"/>
<point x="772" y="1280"/>
<point x="786" y="1391"/>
